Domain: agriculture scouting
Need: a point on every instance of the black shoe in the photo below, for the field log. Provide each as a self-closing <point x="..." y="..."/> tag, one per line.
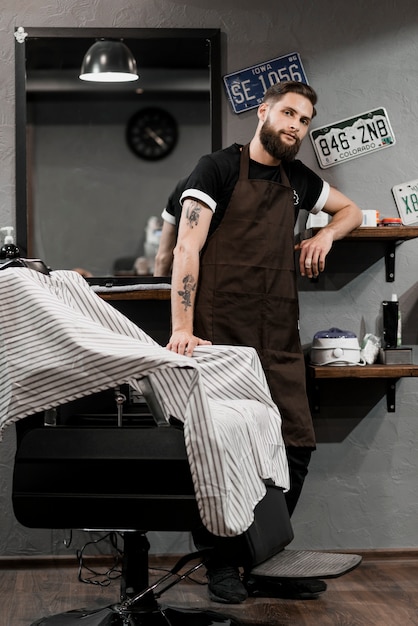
<point x="225" y="585"/>
<point x="286" y="588"/>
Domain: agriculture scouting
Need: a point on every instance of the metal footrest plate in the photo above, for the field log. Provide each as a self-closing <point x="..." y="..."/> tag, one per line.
<point x="306" y="564"/>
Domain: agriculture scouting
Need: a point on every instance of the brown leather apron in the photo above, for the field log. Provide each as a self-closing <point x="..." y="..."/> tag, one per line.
<point x="248" y="294"/>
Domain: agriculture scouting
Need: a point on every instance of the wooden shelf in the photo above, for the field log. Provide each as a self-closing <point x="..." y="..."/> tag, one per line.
<point x="389" y="373"/>
<point x="397" y="233"/>
<point x="366" y="371"/>
<point x="390" y="236"/>
<point x="139" y="294"/>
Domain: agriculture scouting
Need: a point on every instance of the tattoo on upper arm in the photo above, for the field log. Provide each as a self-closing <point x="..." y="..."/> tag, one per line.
<point x="189" y="285"/>
<point x="193" y="213"/>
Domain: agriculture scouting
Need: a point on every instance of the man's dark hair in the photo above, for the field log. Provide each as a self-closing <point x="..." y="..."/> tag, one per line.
<point x="277" y="91"/>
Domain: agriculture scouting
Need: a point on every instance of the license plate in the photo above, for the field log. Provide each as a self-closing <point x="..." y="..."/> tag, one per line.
<point x="352" y="138"/>
<point x="247" y="87"/>
<point x="406" y="198"/>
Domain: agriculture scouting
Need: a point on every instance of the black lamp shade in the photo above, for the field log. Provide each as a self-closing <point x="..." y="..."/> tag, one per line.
<point x="108" y="61"/>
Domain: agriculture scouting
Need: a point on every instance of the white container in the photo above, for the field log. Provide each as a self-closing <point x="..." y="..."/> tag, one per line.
<point x="335" y="347"/>
<point x="369" y="218"/>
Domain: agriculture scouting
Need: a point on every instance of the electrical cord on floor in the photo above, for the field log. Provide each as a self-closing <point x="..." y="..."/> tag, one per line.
<point x="167" y="570"/>
<point x="102" y="579"/>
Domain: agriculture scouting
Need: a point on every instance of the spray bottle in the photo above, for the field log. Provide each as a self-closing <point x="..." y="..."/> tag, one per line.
<point x="9" y="236"/>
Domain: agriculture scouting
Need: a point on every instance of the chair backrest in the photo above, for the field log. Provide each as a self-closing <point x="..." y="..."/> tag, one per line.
<point x="104" y="477"/>
<point x="92" y="470"/>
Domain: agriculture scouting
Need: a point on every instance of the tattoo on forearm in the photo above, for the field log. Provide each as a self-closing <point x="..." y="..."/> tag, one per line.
<point x="193" y="213"/>
<point x="189" y="285"/>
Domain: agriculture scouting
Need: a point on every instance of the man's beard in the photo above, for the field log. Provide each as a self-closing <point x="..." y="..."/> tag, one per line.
<point x="273" y="144"/>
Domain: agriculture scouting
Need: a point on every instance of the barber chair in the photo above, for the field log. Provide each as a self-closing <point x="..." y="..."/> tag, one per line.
<point x="82" y="467"/>
<point x="111" y="462"/>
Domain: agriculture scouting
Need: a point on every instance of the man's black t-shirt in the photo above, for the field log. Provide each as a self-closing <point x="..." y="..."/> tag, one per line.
<point x="215" y="176"/>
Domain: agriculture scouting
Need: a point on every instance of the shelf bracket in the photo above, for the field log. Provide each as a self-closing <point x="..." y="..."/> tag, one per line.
<point x="390" y="261"/>
<point x="391" y="395"/>
<point x="316" y="398"/>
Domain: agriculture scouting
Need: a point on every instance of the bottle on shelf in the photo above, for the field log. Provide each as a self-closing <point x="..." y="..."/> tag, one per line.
<point x="392" y="329"/>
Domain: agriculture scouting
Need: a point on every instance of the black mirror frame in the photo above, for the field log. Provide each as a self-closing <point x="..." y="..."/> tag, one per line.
<point x="213" y="37"/>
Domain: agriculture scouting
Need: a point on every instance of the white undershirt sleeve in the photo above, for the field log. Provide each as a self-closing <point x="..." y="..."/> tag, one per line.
<point x="323" y="197"/>
<point x="167" y="217"/>
<point x="198" y="195"/>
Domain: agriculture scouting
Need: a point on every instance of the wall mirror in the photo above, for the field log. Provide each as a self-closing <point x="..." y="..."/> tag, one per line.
<point x="83" y="195"/>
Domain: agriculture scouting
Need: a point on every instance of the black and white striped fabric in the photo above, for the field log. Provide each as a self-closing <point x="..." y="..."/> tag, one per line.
<point x="60" y="341"/>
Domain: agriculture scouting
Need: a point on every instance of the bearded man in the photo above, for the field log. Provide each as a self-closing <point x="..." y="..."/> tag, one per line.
<point x="228" y="237"/>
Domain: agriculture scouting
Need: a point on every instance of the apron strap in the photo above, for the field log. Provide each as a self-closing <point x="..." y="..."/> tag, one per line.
<point x="244" y="168"/>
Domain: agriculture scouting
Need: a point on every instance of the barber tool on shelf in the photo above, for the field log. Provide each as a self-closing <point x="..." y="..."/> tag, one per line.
<point x="393" y="352"/>
<point x="392" y="333"/>
<point x="9" y="250"/>
<point x="335" y="347"/>
<point x="10" y="255"/>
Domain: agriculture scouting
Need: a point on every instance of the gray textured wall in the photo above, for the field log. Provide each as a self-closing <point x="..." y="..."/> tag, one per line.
<point x="362" y="490"/>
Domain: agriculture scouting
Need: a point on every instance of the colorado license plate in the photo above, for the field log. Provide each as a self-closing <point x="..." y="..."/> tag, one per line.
<point x="352" y="138"/>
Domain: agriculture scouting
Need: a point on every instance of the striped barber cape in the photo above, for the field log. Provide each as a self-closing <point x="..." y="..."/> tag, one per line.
<point x="59" y="341"/>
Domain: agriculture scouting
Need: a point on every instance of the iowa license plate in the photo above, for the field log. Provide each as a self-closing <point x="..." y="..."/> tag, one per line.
<point x="246" y="88"/>
<point x="406" y="198"/>
<point x="352" y="138"/>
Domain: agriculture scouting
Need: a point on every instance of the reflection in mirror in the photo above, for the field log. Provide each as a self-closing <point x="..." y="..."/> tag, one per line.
<point x="95" y="162"/>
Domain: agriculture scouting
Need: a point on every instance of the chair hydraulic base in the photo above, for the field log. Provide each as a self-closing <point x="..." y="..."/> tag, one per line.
<point x="141" y="608"/>
<point x="161" y="616"/>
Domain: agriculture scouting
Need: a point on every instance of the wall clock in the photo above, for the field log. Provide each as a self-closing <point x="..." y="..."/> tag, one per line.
<point x="152" y="133"/>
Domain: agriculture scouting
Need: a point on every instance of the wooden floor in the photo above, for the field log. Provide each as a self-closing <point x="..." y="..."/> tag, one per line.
<point x="382" y="591"/>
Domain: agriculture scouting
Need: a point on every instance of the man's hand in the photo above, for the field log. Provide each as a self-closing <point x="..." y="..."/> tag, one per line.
<point x="184" y="342"/>
<point x="313" y="253"/>
<point x="345" y="216"/>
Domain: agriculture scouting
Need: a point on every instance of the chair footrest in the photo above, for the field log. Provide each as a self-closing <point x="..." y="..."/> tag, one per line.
<point x="306" y="564"/>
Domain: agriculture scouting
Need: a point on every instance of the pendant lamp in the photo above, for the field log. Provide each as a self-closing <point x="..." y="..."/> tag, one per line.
<point x="109" y="61"/>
